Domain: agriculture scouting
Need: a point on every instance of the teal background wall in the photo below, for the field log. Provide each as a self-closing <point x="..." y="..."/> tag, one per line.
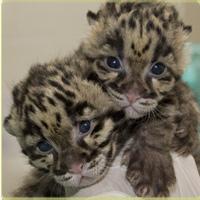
<point x="192" y="72"/>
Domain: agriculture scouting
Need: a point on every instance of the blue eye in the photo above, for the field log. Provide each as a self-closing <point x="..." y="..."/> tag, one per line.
<point x="84" y="126"/>
<point x="44" y="146"/>
<point x="158" y="69"/>
<point x="113" y="62"/>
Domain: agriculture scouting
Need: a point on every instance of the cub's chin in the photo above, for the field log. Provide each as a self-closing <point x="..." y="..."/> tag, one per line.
<point x="136" y="112"/>
<point x="132" y="113"/>
<point x="79" y="181"/>
<point x="89" y="175"/>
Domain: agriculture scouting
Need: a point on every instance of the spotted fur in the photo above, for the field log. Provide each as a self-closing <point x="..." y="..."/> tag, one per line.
<point x="140" y="34"/>
<point x="49" y="105"/>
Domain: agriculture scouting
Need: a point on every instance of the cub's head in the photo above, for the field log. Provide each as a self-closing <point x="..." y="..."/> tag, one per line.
<point x="137" y="52"/>
<point x="65" y="125"/>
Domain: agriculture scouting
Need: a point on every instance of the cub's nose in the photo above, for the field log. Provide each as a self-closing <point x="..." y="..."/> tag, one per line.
<point x="132" y="96"/>
<point x="76" y="168"/>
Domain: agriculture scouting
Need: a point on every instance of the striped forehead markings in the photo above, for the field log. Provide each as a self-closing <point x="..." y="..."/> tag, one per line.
<point x="68" y="103"/>
<point x="38" y="103"/>
<point x="60" y="88"/>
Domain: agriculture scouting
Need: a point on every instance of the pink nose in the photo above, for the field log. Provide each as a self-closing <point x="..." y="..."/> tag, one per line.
<point x="76" y="168"/>
<point x="132" y="96"/>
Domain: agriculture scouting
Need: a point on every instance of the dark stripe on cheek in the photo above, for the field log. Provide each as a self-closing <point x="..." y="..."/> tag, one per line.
<point x="97" y="128"/>
<point x="114" y="86"/>
<point x="149" y="83"/>
<point x="104" y="143"/>
<point x="94" y="78"/>
<point x="120" y="76"/>
<point x="83" y="144"/>
<point x="96" y="136"/>
<point x="102" y="67"/>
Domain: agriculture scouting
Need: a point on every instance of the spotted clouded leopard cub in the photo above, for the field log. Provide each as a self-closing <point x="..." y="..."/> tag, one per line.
<point x="66" y="126"/>
<point x="136" y="53"/>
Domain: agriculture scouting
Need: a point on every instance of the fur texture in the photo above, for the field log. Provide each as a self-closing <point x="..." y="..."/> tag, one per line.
<point x="67" y="128"/>
<point x="136" y="52"/>
<point x="162" y="114"/>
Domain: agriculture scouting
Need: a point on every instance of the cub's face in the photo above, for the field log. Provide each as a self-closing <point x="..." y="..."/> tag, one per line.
<point x="64" y="125"/>
<point x="136" y="51"/>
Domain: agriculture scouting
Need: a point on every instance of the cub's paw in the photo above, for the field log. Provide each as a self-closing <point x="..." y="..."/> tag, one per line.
<point x="150" y="173"/>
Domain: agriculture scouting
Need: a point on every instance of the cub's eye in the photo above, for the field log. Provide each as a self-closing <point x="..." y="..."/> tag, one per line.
<point x="157" y="69"/>
<point x="84" y="126"/>
<point x="44" y="146"/>
<point x="113" y="63"/>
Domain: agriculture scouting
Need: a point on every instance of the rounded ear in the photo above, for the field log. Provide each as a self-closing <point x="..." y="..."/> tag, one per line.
<point x="92" y="17"/>
<point x="11" y="125"/>
<point x="187" y="30"/>
<point x="11" y="122"/>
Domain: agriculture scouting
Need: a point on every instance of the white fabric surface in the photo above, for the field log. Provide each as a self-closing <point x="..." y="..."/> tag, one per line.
<point x="115" y="183"/>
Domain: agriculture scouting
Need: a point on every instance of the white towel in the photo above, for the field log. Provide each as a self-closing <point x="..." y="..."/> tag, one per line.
<point x="115" y="183"/>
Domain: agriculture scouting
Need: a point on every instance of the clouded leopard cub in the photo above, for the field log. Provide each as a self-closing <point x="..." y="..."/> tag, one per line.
<point x="67" y="127"/>
<point x="136" y="53"/>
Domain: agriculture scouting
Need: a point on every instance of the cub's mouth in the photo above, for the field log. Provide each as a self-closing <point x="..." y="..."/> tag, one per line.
<point x="136" y="106"/>
<point x="89" y="175"/>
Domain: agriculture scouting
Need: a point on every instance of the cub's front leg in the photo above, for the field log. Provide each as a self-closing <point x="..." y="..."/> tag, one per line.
<point x="149" y="164"/>
<point x="39" y="184"/>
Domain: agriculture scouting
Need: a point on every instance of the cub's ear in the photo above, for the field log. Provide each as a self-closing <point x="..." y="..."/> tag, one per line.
<point x="12" y="122"/>
<point x="187" y="30"/>
<point x="11" y="125"/>
<point x="7" y="125"/>
<point x="184" y="32"/>
<point x="92" y="17"/>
